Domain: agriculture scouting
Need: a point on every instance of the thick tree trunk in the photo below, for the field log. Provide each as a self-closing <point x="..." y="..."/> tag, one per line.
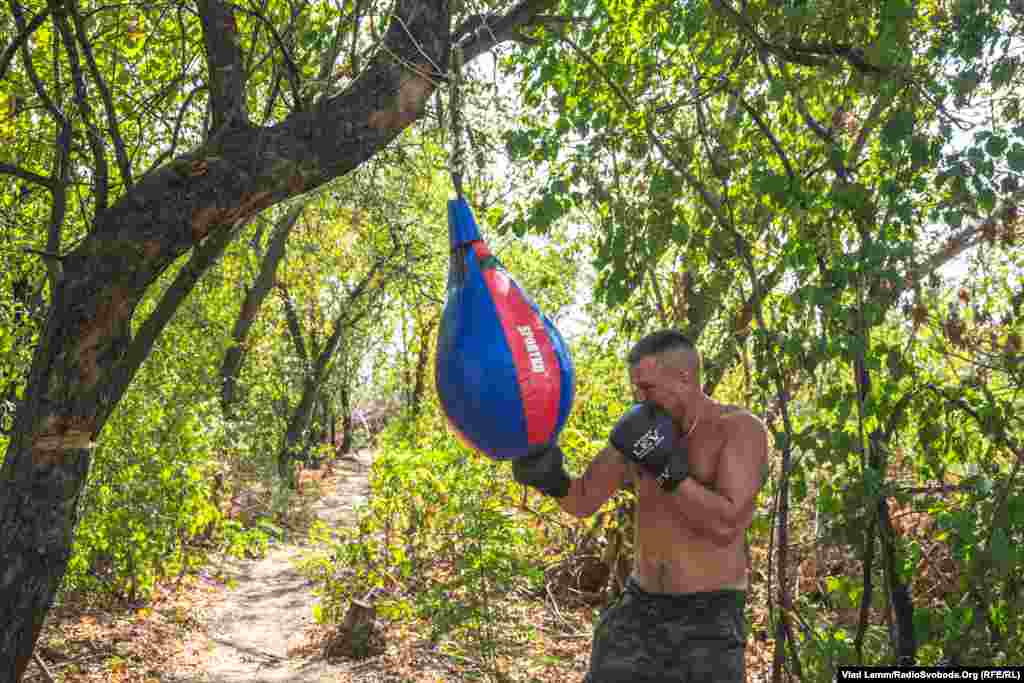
<point x="904" y="641"/>
<point x="87" y="356"/>
<point x="318" y="432"/>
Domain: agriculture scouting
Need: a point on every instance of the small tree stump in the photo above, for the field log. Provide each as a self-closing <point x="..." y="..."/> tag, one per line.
<point x="357" y="637"/>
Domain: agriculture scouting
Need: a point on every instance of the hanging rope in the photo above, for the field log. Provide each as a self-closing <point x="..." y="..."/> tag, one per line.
<point x="457" y="158"/>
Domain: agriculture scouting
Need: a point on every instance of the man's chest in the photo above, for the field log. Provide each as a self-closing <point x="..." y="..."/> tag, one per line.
<point x="704" y="453"/>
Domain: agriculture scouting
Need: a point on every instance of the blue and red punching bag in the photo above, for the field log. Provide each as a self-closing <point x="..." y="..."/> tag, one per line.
<point x="504" y="375"/>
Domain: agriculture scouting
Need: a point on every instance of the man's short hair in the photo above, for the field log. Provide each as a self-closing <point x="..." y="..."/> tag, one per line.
<point x="663" y="341"/>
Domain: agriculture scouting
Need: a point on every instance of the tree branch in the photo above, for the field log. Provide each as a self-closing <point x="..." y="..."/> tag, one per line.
<point x="203" y="256"/>
<point x="353" y="52"/>
<point x="203" y="197"/>
<point x="166" y="154"/>
<point x="255" y="39"/>
<point x="294" y="326"/>
<point x="783" y="632"/>
<point x="226" y="73"/>
<point x="658" y="300"/>
<point x="253" y="300"/>
<point x="19" y="172"/>
<point x="123" y="162"/>
<point x="62" y="147"/>
<point x="716" y="367"/>
<point x="713" y="203"/>
<point x="492" y="30"/>
<point x="854" y="56"/>
<point x="870" y="121"/>
<point x="58" y="207"/>
<point x="102" y="175"/>
<point x="21" y="39"/>
<point x="291" y="70"/>
<point x="30" y="68"/>
<point x="763" y="127"/>
<point x="804" y="54"/>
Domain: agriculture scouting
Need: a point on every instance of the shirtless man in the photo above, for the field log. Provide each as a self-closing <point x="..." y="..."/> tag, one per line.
<point x="696" y="466"/>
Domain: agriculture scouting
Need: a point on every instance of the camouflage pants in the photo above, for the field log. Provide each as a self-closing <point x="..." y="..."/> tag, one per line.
<point x="662" y="638"/>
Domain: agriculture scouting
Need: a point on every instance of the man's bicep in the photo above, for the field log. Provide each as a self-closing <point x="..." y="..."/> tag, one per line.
<point x="741" y="468"/>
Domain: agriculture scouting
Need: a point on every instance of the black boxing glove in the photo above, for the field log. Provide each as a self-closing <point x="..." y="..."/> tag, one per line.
<point x="543" y="468"/>
<point x="646" y="435"/>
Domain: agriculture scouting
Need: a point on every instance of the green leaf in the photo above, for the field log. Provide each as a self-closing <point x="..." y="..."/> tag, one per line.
<point x="680" y="231"/>
<point x="1015" y="157"/>
<point x="773" y="184"/>
<point x="518" y="144"/>
<point x="799" y="486"/>
<point x="845" y="408"/>
<point x="898" y="128"/>
<point x="1002" y="551"/>
<point x="996" y="145"/>
<point x="852" y="196"/>
<point x="781" y="441"/>
<point x="1003" y="72"/>
<point x="920" y="151"/>
<point x="983" y="485"/>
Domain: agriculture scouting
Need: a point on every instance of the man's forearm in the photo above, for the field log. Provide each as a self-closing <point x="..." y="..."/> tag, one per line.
<point x="707" y="512"/>
<point x="577" y="502"/>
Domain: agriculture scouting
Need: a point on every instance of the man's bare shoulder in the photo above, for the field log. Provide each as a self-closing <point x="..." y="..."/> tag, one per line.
<point x="746" y="445"/>
<point x="743" y="426"/>
<point x="740" y="417"/>
<point x="732" y="411"/>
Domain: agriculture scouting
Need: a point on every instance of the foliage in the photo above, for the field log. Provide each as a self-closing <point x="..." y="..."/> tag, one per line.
<point x="785" y="185"/>
<point x="824" y="194"/>
<point x="151" y="508"/>
<point x="447" y="536"/>
<point x="438" y="542"/>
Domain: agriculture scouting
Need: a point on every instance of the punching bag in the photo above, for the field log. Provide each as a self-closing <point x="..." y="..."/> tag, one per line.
<point x="504" y="375"/>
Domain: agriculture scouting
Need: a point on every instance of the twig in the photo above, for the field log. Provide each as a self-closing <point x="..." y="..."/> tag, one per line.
<point x="554" y="603"/>
<point x="43" y="254"/>
<point x="366" y="663"/>
<point x="20" y="39"/>
<point x="935" y="490"/>
<point x="555" y="635"/>
<point x="42" y="665"/>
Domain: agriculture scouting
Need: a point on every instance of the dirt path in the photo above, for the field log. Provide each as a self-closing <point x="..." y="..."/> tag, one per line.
<point x="264" y="617"/>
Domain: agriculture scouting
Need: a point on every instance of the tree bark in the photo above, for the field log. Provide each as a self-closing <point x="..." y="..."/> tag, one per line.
<point x="254" y="298"/>
<point x="346" y="421"/>
<point x="317" y="368"/>
<point x="297" y="426"/>
<point x="422" y="360"/>
<point x="87" y="356"/>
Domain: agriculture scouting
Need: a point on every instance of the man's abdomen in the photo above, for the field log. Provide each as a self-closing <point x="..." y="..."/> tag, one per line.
<point x="670" y="558"/>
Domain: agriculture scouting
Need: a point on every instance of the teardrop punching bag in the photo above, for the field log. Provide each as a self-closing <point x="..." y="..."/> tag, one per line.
<point x="504" y="374"/>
